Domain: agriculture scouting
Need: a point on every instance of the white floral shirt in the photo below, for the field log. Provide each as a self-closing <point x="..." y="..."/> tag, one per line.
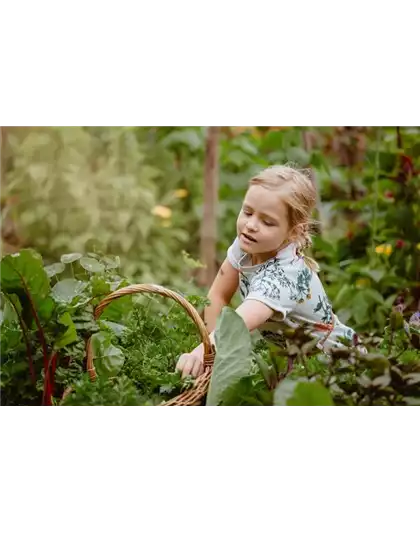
<point x="288" y="286"/>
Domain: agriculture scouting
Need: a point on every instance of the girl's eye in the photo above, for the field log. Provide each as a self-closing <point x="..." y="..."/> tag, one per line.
<point x="268" y="223"/>
<point x="247" y="213"/>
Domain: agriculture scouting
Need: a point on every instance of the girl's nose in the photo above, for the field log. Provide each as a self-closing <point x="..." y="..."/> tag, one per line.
<point x="251" y="225"/>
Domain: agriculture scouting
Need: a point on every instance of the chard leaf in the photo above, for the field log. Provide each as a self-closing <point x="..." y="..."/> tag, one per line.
<point x="23" y="274"/>
<point x="233" y="355"/>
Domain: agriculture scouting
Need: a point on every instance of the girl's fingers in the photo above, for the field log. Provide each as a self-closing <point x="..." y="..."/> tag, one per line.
<point x="189" y="364"/>
<point x="197" y="368"/>
<point x="181" y="362"/>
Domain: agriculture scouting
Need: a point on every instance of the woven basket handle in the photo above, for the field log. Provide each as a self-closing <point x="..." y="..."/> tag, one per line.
<point x="154" y="289"/>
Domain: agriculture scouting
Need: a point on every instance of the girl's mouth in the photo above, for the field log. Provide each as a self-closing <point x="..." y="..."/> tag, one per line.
<point x="248" y="238"/>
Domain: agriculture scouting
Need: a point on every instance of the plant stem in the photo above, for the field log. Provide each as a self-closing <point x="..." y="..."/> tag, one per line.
<point x="303" y="361"/>
<point x="49" y="380"/>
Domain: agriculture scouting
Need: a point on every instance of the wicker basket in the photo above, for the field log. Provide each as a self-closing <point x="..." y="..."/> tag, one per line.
<point x="192" y="396"/>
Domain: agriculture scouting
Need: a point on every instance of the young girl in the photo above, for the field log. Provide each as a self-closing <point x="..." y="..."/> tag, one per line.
<point x="279" y="286"/>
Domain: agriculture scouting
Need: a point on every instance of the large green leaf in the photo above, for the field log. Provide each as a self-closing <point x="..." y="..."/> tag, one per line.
<point x="22" y="270"/>
<point x="108" y="358"/>
<point x="70" y="258"/>
<point x="66" y="290"/>
<point x="23" y="274"/>
<point x="303" y="393"/>
<point x="54" y="269"/>
<point x="233" y="354"/>
<point x="91" y="265"/>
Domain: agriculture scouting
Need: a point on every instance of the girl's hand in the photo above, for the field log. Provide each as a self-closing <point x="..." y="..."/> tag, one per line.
<point x="191" y="364"/>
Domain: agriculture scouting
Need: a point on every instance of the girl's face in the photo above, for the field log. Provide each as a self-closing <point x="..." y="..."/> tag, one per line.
<point x="262" y="224"/>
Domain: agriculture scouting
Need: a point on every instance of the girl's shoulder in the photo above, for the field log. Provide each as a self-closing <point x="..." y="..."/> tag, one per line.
<point x="235" y="255"/>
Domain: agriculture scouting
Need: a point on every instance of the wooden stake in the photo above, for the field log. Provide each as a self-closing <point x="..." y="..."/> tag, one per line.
<point x="211" y="195"/>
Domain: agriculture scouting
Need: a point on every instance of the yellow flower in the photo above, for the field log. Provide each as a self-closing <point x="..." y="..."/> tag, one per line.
<point x="418" y="246"/>
<point x="388" y="249"/>
<point x="162" y="211"/>
<point x="384" y="249"/>
<point x="362" y="282"/>
<point x="181" y="193"/>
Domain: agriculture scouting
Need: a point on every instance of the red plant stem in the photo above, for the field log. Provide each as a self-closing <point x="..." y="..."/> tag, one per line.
<point x="49" y="380"/>
<point x="36" y="318"/>
<point x="53" y="369"/>
<point x="46" y="396"/>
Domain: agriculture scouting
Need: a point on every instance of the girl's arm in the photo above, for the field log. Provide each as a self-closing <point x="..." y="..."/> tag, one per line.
<point x="253" y="313"/>
<point x="221" y="293"/>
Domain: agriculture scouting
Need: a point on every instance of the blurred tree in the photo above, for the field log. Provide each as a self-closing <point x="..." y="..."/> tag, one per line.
<point x="209" y="221"/>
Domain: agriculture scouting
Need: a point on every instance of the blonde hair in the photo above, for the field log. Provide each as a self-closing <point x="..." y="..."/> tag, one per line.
<point x="298" y="193"/>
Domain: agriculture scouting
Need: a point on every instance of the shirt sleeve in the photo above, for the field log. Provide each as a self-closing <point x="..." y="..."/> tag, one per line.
<point x="234" y="254"/>
<point x="274" y="287"/>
